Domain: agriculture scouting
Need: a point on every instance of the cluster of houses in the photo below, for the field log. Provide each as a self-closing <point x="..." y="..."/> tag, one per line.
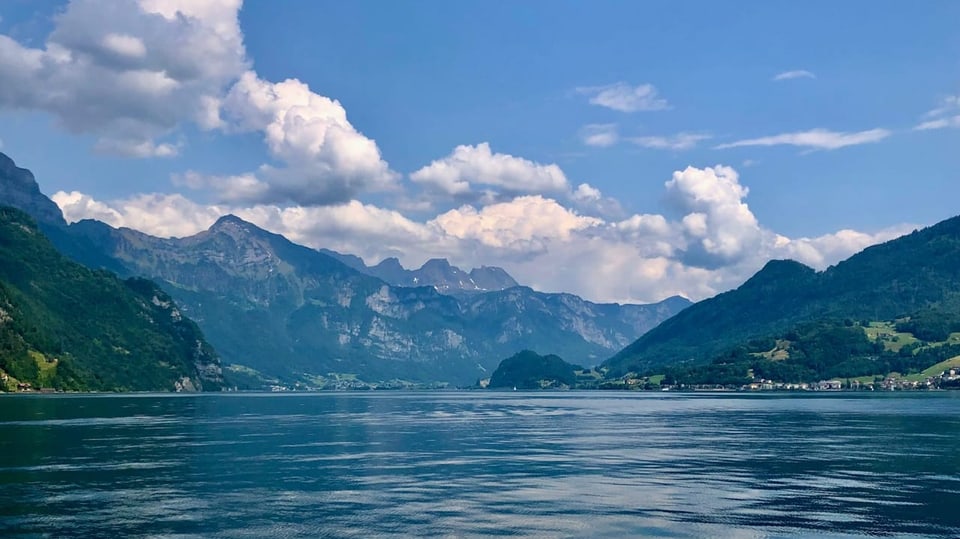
<point x="948" y="378"/>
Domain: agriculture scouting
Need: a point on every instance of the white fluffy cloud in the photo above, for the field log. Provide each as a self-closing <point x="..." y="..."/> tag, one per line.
<point x="128" y="72"/>
<point x="795" y="74"/>
<point x="828" y="249"/>
<point x="522" y="226"/>
<point x="680" y="141"/>
<point x="944" y="116"/>
<point x="712" y="241"/>
<point x="133" y="72"/>
<point x="469" y="169"/>
<point x="718" y="224"/>
<point x="624" y="97"/>
<point x="327" y="160"/>
<point x="161" y="215"/>
<point x="817" y="139"/>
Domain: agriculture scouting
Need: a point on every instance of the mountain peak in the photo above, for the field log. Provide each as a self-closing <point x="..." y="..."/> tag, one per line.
<point x="229" y="220"/>
<point x="780" y="271"/>
<point x="19" y="189"/>
<point x="232" y="225"/>
<point x="436" y="264"/>
<point x="390" y="264"/>
<point x="492" y="278"/>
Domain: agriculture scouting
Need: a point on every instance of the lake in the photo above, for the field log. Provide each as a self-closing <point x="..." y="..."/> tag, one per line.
<point x="469" y="464"/>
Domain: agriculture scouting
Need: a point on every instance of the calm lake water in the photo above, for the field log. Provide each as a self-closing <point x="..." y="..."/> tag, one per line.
<point x="480" y="464"/>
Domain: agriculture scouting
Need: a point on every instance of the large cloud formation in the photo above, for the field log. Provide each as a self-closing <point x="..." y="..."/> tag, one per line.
<point x="708" y="241"/>
<point x="133" y="73"/>
<point x="129" y="72"/>
<point x="327" y="159"/>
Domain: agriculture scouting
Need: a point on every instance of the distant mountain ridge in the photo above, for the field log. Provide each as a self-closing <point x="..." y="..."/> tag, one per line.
<point x="436" y="272"/>
<point x="289" y="311"/>
<point x="915" y="272"/>
<point x="275" y="310"/>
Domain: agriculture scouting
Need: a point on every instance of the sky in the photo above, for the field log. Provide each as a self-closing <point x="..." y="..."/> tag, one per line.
<point x="622" y="151"/>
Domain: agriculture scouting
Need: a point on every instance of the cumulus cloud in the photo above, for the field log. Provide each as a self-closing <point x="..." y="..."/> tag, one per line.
<point x="521" y="225"/>
<point x="128" y="72"/>
<point x="469" y="168"/>
<point x="822" y="251"/>
<point x="680" y="141"/>
<point x="624" y="97"/>
<point x="718" y="224"/>
<point x="587" y="193"/>
<point x="132" y="73"/>
<point x="164" y="215"/>
<point x="795" y="74"/>
<point x="708" y="241"/>
<point x="327" y="161"/>
<point x="817" y="139"/>
<point x="599" y="135"/>
<point x="944" y="116"/>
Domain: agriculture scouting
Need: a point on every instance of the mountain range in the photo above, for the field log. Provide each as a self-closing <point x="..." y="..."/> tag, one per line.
<point x="916" y="276"/>
<point x="436" y="272"/>
<point x="281" y="312"/>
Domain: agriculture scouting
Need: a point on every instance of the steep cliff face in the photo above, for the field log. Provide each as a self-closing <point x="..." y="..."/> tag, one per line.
<point x="65" y="326"/>
<point x="19" y="189"/>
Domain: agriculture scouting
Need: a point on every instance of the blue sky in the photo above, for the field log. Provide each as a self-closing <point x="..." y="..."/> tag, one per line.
<point x="710" y="139"/>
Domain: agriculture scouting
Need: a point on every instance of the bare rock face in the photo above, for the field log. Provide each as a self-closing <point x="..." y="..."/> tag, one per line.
<point x="19" y="189"/>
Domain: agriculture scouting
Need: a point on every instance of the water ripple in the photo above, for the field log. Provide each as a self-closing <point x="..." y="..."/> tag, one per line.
<point x="479" y="465"/>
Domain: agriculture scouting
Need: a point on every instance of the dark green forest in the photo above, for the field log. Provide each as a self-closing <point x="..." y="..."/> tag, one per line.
<point x="526" y="370"/>
<point x="816" y="351"/>
<point x="64" y="326"/>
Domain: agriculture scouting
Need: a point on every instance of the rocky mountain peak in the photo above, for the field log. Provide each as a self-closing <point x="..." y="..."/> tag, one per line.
<point x="492" y="278"/>
<point x="436" y="264"/>
<point x="231" y="224"/>
<point x="390" y="264"/>
<point x="19" y="189"/>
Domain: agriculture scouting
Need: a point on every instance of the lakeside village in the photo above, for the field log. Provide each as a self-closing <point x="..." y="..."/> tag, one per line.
<point x="590" y="379"/>
<point x="948" y="379"/>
